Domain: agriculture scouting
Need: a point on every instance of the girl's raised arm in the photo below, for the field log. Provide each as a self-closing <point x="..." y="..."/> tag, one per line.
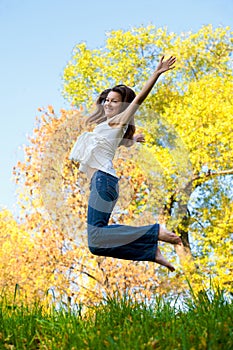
<point x="124" y="117"/>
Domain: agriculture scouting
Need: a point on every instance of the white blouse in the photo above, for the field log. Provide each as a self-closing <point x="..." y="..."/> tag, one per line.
<point x="97" y="149"/>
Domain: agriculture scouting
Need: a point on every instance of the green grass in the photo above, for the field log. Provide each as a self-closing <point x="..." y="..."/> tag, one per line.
<point x="203" y="322"/>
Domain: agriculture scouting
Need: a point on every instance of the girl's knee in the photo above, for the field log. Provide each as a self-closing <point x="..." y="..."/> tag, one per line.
<point x="94" y="250"/>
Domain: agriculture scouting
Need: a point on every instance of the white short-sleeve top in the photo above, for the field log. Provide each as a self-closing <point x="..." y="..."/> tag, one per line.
<point x="97" y="149"/>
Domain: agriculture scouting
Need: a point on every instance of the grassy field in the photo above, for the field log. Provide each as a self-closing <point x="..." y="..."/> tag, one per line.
<point x="204" y="322"/>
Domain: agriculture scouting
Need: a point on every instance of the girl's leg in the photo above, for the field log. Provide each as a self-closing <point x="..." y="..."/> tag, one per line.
<point x="102" y="199"/>
<point x="168" y="237"/>
<point x="121" y="241"/>
<point x="159" y="259"/>
<point x="118" y="241"/>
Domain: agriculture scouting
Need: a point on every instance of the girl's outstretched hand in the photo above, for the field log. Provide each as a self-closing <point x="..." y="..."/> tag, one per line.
<point x="164" y="66"/>
<point x="139" y="138"/>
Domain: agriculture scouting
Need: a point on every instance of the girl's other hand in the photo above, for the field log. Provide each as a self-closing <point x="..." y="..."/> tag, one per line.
<point x="139" y="138"/>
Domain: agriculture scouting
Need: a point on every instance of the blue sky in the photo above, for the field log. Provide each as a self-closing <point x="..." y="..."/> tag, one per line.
<point x="37" y="38"/>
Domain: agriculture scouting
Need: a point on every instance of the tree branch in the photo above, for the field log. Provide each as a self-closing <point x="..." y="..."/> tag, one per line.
<point x="210" y="173"/>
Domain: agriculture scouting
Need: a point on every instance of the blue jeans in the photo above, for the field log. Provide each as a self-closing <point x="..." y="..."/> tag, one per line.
<point x="118" y="241"/>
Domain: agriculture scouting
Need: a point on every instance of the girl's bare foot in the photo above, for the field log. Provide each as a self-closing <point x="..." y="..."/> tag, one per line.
<point x="169" y="237"/>
<point x="159" y="259"/>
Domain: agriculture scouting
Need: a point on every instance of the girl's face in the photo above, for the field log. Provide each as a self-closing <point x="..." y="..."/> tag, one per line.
<point x="112" y="104"/>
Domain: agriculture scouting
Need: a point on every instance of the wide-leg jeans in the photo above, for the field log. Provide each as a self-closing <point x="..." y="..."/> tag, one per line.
<point x="118" y="241"/>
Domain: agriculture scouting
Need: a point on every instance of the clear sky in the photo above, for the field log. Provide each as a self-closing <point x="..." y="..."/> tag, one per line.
<point x="37" y="39"/>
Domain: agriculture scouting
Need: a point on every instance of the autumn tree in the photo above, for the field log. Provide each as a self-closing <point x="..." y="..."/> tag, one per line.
<point x="26" y="265"/>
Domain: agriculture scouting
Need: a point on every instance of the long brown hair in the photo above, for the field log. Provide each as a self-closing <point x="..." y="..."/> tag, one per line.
<point x="127" y="96"/>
